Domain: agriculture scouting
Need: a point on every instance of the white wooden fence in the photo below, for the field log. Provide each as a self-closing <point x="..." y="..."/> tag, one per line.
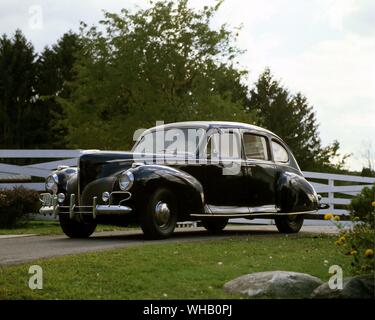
<point x="339" y="189"/>
<point x="40" y="170"/>
<point x="335" y="186"/>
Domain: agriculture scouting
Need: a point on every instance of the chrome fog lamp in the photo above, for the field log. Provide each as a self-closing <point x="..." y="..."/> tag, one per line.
<point x="126" y="180"/>
<point x="105" y="196"/>
<point x="51" y="183"/>
<point x="61" y="197"/>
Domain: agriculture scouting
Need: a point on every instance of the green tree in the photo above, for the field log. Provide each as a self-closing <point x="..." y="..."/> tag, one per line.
<point x="17" y="94"/>
<point x="293" y="119"/>
<point x="161" y="63"/>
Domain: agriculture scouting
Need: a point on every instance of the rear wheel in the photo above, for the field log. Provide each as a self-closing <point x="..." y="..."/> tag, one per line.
<point x="159" y="216"/>
<point x="76" y="229"/>
<point x="290" y="223"/>
<point x="215" y="225"/>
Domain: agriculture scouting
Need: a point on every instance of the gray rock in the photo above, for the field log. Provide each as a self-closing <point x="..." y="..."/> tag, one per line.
<point x="274" y="284"/>
<point x="358" y="287"/>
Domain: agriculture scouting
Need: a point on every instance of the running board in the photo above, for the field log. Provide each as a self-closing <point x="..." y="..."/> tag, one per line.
<point x="250" y="215"/>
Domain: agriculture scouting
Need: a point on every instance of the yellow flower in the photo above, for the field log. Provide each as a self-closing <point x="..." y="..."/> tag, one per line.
<point x="340" y="241"/>
<point x="328" y="216"/>
<point x="354" y="252"/>
<point x="373" y="203"/>
<point x="369" y="253"/>
<point x="336" y="218"/>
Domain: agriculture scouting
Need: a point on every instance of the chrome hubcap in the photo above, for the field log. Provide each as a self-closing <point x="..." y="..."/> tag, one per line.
<point x="162" y="213"/>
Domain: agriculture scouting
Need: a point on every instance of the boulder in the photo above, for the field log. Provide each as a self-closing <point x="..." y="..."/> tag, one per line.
<point x="274" y="284"/>
<point x="358" y="287"/>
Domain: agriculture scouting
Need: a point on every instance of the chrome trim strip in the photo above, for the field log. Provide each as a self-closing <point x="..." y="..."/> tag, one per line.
<point x="205" y="215"/>
<point x="103" y="209"/>
<point x="267" y="208"/>
<point x="230" y="210"/>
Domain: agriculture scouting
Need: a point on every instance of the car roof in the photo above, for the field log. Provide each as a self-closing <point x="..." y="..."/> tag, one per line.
<point x="211" y="125"/>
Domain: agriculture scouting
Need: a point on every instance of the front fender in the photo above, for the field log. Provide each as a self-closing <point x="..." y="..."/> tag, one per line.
<point x="295" y="194"/>
<point x="68" y="180"/>
<point x="188" y="190"/>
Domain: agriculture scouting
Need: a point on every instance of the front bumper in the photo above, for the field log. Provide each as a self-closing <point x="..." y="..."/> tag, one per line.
<point x="51" y="206"/>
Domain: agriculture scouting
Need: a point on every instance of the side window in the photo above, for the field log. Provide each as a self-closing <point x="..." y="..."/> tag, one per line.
<point x="279" y="152"/>
<point x="255" y="147"/>
<point x="223" y="146"/>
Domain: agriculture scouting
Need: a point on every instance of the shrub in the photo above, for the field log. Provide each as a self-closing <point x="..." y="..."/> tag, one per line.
<point x="362" y="207"/>
<point x="16" y="204"/>
<point x="358" y="241"/>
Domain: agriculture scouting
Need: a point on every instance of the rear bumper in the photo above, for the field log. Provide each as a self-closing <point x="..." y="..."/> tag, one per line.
<point x="321" y="206"/>
<point x="51" y="206"/>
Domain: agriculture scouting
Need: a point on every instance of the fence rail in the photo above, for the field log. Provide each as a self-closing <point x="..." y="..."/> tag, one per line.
<point x="338" y="193"/>
<point x="339" y="189"/>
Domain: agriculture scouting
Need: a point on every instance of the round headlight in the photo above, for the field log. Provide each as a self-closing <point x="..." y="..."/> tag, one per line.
<point x="51" y="183"/>
<point x="126" y="180"/>
<point x="61" y="197"/>
<point x="105" y="196"/>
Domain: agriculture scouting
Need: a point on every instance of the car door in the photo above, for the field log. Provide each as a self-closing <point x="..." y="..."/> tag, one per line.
<point x="225" y="174"/>
<point x="260" y="171"/>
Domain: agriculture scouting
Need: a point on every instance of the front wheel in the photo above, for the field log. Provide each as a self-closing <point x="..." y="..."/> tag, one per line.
<point x="159" y="215"/>
<point x="215" y="225"/>
<point x="290" y="223"/>
<point x="76" y="229"/>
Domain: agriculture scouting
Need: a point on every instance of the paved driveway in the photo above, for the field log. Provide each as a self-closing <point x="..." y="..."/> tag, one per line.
<point x="22" y="249"/>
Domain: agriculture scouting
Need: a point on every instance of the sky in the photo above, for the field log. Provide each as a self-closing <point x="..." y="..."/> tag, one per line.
<point x="322" y="48"/>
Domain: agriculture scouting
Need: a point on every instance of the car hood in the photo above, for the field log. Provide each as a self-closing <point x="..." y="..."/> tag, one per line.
<point x="101" y="164"/>
<point x="96" y="165"/>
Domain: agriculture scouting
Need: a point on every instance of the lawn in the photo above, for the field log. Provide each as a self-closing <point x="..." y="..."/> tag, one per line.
<point x="49" y="227"/>
<point x="172" y="270"/>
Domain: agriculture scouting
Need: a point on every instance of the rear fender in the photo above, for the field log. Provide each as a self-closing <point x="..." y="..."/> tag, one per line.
<point x="295" y="194"/>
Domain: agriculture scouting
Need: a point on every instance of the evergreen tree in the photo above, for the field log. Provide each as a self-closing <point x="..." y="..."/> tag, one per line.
<point x="293" y="119"/>
<point x="55" y="68"/>
<point x="17" y="91"/>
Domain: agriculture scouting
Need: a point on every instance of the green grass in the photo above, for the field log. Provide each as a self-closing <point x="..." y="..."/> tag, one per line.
<point x="43" y="228"/>
<point x="170" y="270"/>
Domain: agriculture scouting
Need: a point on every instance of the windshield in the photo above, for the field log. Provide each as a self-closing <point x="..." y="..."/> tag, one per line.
<point x="171" y="141"/>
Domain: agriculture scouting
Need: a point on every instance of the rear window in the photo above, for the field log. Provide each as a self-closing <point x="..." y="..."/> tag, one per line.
<point x="279" y="152"/>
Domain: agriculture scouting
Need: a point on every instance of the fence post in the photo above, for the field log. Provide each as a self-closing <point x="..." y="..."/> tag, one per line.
<point x="331" y="195"/>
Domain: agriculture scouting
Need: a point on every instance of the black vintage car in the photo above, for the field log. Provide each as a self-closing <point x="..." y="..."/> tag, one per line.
<point x="186" y="171"/>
